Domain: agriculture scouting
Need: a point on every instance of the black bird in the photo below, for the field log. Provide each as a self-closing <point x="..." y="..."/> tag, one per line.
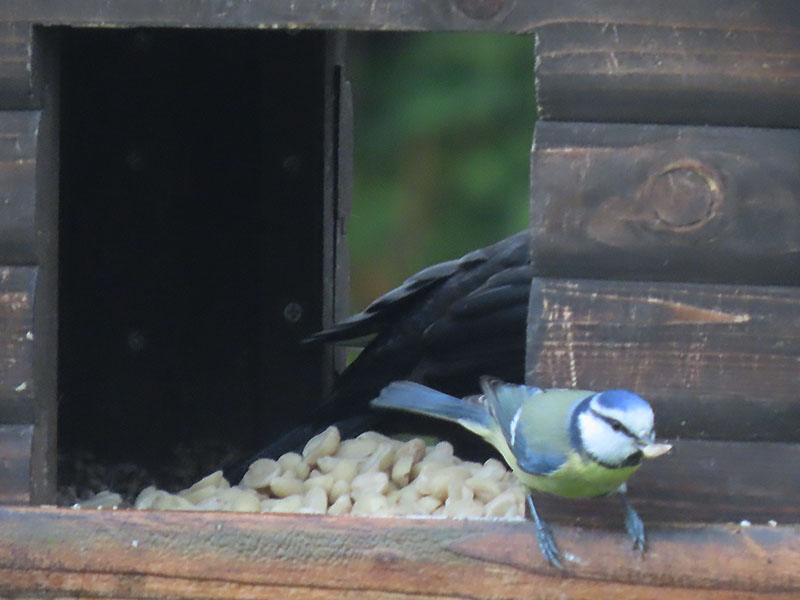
<point x="445" y="327"/>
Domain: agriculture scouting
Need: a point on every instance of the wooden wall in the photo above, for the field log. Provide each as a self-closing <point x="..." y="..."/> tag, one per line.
<point x="28" y="264"/>
<point x="665" y="231"/>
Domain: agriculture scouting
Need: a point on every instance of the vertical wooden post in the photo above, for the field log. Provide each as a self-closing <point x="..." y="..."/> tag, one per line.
<point x="45" y="314"/>
<point x="338" y="190"/>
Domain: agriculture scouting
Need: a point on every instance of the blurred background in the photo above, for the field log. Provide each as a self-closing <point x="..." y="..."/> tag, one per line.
<point x="443" y="129"/>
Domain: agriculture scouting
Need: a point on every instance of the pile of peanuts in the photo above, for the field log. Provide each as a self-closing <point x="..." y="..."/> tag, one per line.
<point x="368" y="475"/>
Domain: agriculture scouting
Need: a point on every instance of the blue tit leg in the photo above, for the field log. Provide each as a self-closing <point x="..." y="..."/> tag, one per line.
<point x="633" y="524"/>
<point x="544" y="536"/>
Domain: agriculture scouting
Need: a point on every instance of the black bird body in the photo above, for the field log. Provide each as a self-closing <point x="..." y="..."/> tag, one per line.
<point x="445" y="326"/>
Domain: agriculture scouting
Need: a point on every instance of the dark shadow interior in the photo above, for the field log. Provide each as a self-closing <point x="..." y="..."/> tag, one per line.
<point x="190" y="218"/>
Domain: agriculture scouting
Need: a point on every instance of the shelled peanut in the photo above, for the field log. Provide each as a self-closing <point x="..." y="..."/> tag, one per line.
<point x="368" y="475"/>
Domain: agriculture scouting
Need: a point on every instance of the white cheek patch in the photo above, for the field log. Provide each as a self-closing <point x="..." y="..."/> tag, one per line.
<point x="602" y="442"/>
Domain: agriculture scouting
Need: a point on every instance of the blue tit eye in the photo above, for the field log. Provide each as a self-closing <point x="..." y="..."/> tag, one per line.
<point x="615" y="425"/>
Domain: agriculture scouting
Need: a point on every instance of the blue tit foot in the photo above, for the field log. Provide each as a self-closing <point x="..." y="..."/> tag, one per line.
<point x="634" y="525"/>
<point x="547" y="545"/>
<point x="544" y="537"/>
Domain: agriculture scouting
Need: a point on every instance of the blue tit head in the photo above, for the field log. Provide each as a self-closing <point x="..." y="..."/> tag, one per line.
<point x="616" y="429"/>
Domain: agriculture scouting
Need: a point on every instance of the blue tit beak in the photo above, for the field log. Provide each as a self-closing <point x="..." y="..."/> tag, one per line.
<point x="652" y="450"/>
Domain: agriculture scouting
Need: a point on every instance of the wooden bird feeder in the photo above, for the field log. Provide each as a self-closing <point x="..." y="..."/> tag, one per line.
<point x="174" y="188"/>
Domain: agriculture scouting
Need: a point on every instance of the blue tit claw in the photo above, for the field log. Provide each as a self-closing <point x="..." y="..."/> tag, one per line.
<point x="547" y="545"/>
<point x="634" y="525"/>
<point x="544" y="537"/>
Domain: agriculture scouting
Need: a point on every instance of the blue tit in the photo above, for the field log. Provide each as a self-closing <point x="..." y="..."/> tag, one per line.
<point x="571" y="443"/>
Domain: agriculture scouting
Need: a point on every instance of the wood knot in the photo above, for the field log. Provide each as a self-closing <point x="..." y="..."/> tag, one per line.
<point x="480" y="9"/>
<point x="685" y="195"/>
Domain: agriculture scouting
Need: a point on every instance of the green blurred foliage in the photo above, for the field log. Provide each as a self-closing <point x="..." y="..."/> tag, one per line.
<point x="443" y="128"/>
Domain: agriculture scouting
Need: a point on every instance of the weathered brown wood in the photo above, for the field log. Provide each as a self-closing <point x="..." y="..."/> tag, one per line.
<point x="17" y="285"/>
<point x="666" y="202"/>
<point x="430" y="15"/>
<point x="16" y="65"/>
<point x="699" y="481"/>
<point x="18" y="130"/>
<point x="45" y="307"/>
<point x="213" y="555"/>
<point x="716" y="361"/>
<point x="620" y="71"/>
<point x="15" y="463"/>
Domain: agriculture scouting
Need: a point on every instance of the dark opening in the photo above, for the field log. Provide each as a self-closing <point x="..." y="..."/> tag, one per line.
<point x="190" y="219"/>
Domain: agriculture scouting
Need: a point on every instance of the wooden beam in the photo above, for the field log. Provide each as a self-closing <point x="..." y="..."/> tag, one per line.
<point x="716" y="361"/>
<point x="16" y="65"/>
<point x="618" y="71"/>
<point x="15" y="463"/>
<point x="400" y="15"/>
<point x="337" y="200"/>
<point x="18" y="131"/>
<point x="666" y="203"/>
<point x="18" y="409"/>
<point x="63" y="552"/>
<point x="17" y="286"/>
<point x="45" y="307"/>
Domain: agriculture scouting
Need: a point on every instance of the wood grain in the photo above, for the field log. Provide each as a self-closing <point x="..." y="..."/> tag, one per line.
<point x="619" y="71"/>
<point x="715" y="361"/>
<point x="131" y="554"/>
<point x="16" y="65"/>
<point x="666" y="203"/>
<point x="421" y="15"/>
<point x="16" y="333"/>
<point x="15" y="463"/>
<point x="18" y="131"/>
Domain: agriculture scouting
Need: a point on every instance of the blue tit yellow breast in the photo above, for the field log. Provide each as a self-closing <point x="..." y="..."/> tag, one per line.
<point x="578" y="477"/>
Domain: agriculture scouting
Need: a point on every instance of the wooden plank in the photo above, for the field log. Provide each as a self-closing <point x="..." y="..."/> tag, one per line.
<point x="16" y="65"/>
<point x="422" y="15"/>
<point x="619" y="71"/>
<point x="45" y="307"/>
<point x="400" y="15"/>
<point x="666" y="202"/>
<point x="131" y="554"/>
<point x="15" y="463"/>
<point x="18" y="131"/>
<point x="338" y="193"/>
<point x="17" y="286"/>
<point x="701" y="482"/>
<point x="716" y="361"/>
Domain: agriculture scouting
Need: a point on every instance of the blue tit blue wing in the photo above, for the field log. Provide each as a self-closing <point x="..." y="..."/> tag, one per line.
<point x="534" y="422"/>
<point x="417" y="398"/>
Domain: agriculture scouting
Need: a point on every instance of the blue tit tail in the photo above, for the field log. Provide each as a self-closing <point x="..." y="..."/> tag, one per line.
<point x="420" y="399"/>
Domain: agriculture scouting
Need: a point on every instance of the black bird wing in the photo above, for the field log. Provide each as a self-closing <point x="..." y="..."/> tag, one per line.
<point x="385" y="310"/>
<point x="444" y="327"/>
